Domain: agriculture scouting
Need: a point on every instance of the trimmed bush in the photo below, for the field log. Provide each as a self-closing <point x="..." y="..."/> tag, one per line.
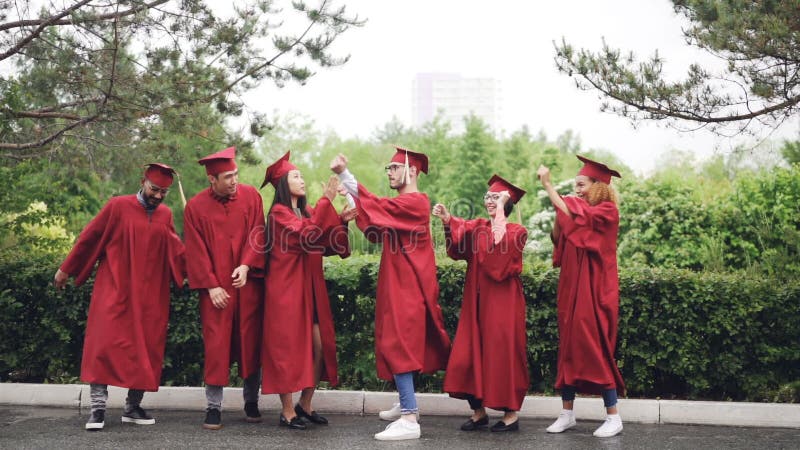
<point x="683" y="334"/>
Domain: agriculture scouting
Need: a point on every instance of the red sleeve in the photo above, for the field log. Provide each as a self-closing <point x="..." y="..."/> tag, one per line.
<point x="198" y="256"/>
<point x="90" y="245"/>
<point x="458" y="238"/>
<point x="504" y="259"/>
<point x="176" y="254"/>
<point x="402" y="213"/>
<point x="253" y="251"/>
<point x="373" y="234"/>
<point x="589" y="224"/>
<point x="310" y="232"/>
<point x="338" y="242"/>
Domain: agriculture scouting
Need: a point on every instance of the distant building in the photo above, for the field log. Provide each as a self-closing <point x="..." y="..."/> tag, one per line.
<point x="456" y="97"/>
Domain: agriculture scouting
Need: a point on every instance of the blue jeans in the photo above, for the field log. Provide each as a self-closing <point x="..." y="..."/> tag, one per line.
<point x="609" y="395"/>
<point x="405" y="387"/>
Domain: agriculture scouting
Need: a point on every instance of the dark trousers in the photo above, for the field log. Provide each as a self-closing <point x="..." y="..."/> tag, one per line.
<point x="476" y="403"/>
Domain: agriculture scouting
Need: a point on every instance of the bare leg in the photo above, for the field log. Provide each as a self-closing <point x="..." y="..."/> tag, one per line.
<point x="287" y="406"/>
<point x="478" y="414"/>
<point x="308" y="393"/>
<point x="509" y="417"/>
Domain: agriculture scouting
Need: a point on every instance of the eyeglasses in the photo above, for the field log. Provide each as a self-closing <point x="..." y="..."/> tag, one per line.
<point x="393" y="167"/>
<point x="492" y="197"/>
<point x="156" y="189"/>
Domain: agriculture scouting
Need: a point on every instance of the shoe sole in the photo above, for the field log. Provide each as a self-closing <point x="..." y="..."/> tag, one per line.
<point x="138" y="421"/>
<point x="95" y="426"/>
<point x="253" y="419"/>
<point x="397" y="438"/>
<point x="563" y="430"/>
<point x="208" y="426"/>
<point x="393" y="418"/>
<point x="608" y="435"/>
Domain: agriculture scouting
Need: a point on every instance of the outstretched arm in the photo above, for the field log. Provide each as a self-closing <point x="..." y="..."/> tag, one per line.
<point x="349" y="182"/>
<point x="544" y="175"/>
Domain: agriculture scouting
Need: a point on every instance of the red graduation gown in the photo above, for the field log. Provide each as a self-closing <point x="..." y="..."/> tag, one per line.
<point x="295" y="288"/>
<point x="588" y="297"/>
<point x="489" y="357"/>
<point x="220" y="236"/>
<point x="126" y="330"/>
<point x="409" y="326"/>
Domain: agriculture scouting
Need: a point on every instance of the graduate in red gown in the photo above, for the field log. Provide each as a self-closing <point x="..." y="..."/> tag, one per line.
<point x="409" y="327"/>
<point x="585" y="239"/>
<point x="224" y="233"/>
<point x="133" y="243"/>
<point x="488" y="365"/>
<point x="299" y="344"/>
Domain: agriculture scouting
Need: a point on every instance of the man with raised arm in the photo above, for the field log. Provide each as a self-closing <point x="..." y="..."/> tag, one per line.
<point x="410" y="335"/>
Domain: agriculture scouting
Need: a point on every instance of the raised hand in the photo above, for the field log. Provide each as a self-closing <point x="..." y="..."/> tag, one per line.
<point x="339" y="163"/>
<point x="544" y="175"/>
<point x="348" y="214"/>
<point x="440" y="211"/>
<point x="331" y="187"/>
<point x="504" y="197"/>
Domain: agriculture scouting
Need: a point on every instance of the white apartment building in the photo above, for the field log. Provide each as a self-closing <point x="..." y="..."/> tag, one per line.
<point x="455" y="97"/>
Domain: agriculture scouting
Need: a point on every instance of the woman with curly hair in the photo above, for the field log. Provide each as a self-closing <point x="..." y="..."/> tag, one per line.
<point x="585" y="247"/>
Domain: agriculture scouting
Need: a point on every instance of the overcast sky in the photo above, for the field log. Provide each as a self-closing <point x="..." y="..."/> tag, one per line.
<point x="511" y="41"/>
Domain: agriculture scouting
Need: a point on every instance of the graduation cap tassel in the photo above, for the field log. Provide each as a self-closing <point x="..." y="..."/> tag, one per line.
<point x="180" y="189"/>
<point x="406" y="177"/>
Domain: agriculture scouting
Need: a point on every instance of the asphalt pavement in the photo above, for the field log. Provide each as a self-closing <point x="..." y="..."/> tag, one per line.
<point x="32" y="427"/>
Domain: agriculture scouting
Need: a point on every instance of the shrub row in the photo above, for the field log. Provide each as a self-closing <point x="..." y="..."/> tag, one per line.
<point x="683" y="334"/>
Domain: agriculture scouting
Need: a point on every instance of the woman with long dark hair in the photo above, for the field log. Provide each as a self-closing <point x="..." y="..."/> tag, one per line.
<point x="585" y="239"/>
<point x="299" y="342"/>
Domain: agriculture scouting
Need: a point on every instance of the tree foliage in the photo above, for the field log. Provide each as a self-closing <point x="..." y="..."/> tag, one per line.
<point x="758" y="41"/>
<point x="104" y="74"/>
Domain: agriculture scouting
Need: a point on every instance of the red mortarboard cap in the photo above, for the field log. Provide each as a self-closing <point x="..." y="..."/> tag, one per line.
<point x="416" y="159"/>
<point x="159" y="174"/>
<point x="596" y="170"/>
<point x="220" y="162"/>
<point x="277" y="170"/>
<point x="497" y="184"/>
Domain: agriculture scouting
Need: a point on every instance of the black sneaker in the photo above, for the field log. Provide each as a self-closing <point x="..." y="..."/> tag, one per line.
<point x="138" y="416"/>
<point x="213" y="419"/>
<point x="251" y="412"/>
<point x="97" y="420"/>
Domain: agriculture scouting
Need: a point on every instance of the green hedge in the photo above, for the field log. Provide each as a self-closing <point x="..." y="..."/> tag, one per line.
<point x="682" y="334"/>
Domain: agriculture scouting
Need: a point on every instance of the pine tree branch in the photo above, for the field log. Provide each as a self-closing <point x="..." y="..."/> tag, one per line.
<point x="40" y="143"/>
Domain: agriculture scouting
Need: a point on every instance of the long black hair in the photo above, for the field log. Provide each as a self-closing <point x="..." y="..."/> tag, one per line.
<point x="508" y="207"/>
<point x="283" y="196"/>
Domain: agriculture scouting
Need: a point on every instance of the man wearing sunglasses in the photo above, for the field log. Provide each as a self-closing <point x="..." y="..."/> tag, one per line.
<point x="134" y="240"/>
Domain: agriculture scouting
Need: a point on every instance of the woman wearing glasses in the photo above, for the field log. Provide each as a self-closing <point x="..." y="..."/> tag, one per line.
<point x="488" y="363"/>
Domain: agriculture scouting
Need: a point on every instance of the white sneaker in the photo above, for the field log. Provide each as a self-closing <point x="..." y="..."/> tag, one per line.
<point x="611" y="427"/>
<point x="393" y="413"/>
<point x="399" y="430"/>
<point x="565" y="421"/>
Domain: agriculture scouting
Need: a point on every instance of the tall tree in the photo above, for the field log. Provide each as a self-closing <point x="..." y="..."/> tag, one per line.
<point x="106" y="72"/>
<point x="470" y="169"/>
<point x="759" y="41"/>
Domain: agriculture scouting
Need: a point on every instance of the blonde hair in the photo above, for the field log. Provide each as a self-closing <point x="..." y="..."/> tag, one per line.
<point x="601" y="192"/>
